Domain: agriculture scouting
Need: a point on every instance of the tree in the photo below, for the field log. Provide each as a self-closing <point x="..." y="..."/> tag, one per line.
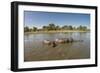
<point x="70" y="27"/>
<point x="44" y="28"/>
<point x="34" y="29"/>
<point x="79" y="28"/>
<point x="57" y="28"/>
<point x="26" y="29"/>
<point x="74" y="28"/>
<point x="51" y="26"/>
<point x="65" y="27"/>
<point x="82" y="28"/>
<point x="30" y="29"/>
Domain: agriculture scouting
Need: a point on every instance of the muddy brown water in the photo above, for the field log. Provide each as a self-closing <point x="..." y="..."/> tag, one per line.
<point x="35" y="50"/>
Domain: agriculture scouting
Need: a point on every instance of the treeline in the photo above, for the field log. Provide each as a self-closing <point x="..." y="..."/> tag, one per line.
<point x="55" y="27"/>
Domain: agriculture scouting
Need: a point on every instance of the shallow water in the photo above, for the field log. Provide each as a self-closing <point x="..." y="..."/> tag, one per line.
<point x="35" y="50"/>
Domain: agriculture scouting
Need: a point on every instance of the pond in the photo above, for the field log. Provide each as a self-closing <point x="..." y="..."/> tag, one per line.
<point x="35" y="50"/>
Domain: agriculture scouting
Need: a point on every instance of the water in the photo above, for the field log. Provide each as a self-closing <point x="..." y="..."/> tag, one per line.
<point x="35" y="50"/>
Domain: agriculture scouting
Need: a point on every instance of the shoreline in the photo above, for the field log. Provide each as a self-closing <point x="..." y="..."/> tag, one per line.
<point x="63" y="31"/>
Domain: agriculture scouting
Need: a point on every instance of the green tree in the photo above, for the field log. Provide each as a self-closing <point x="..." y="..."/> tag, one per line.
<point x="34" y="29"/>
<point x="84" y="28"/>
<point x="70" y="27"/>
<point x="51" y="26"/>
<point x="65" y="27"/>
<point x="79" y="28"/>
<point x="74" y="28"/>
<point x="44" y="28"/>
<point x="57" y="28"/>
<point x="26" y="29"/>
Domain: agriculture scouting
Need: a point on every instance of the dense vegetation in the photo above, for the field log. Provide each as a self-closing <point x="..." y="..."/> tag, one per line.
<point x="55" y="28"/>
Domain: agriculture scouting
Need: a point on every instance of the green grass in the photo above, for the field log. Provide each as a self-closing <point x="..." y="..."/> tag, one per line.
<point x="56" y="31"/>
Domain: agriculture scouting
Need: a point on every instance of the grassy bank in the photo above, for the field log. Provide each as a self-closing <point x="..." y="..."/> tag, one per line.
<point x="56" y="31"/>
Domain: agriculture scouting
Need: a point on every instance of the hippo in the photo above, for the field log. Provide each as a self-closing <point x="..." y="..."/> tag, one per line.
<point x="54" y="44"/>
<point x="47" y="42"/>
<point x="51" y="43"/>
<point x="64" y="40"/>
<point x="69" y="40"/>
<point x="59" y="40"/>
